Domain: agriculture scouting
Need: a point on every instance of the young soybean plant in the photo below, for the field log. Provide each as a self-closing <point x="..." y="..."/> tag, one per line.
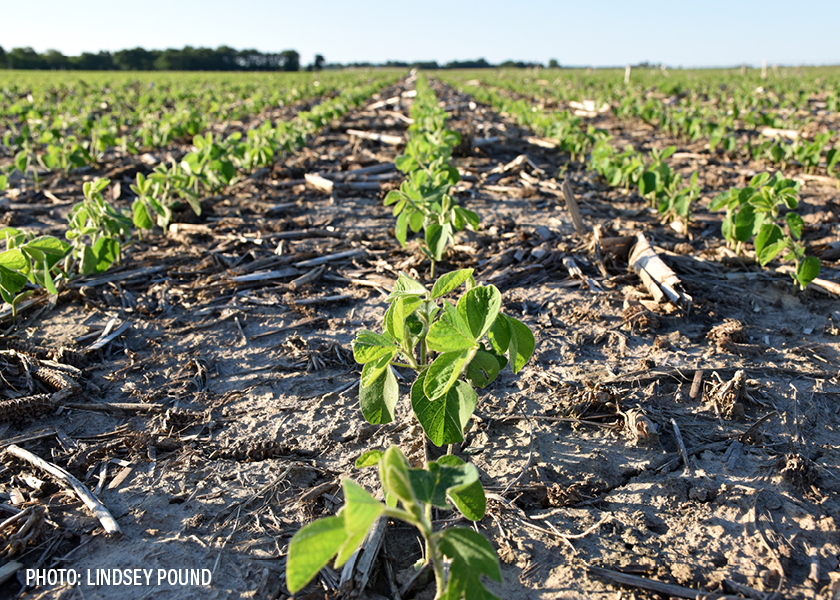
<point x="753" y="213"/>
<point x="410" y="495"/>
<point x="29" y="259"/>
<point x="424" y="200"/>
<point x="96" y="230"/>
<point x="443" y="343"/>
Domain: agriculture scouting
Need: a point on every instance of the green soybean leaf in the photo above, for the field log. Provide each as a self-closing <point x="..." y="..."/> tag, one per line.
<point x="466" y="493"/>
<point x="11" y="281"/>
<point x="406" y="286"/>
<point x="473" y="549"/>
<point x="745" y="195"/>
<point x="398" y="207"/>
<point x="33" y="253"/>
<point x="379" y="398"/>
<point x="311" y="549"/>
<point x="795" y="224"/>
<point x="499" y="335"/>
<point x="48" y="283"/>
<point x="460" y="482"/>
<point x="445" y="336"/>
<point x="450" y="281"/>
<point x="140" y="214"/>
<point x="360" y="513"/>
<point x="404" y="163"/>
<point x="768" y="235"/>
<point x="369" y="459"/>
<point x="647" y="183"/>
<point x="9" y="232"/>
<point x="369" y="346"/>
<point x="415" y="220"/>
<point x="437" y="238"/>
<point x="439" y="479"/>
<point x="423" y="484"/>
<point x="522" y="344"/>
<point x="444" y="420"/>
<point x="470" y="217"/>
<point x="770" y="251"/>
<point x="228" y="171"/>
<point x="480" y="306"/>
<point x="401" y="228"/>
<point x="393" y="197"/>
<point x="720" y="201"/>
<point x="809" y="269"/>
<point x="472" y="556"/>
<point x="51" y="247"/>
<point x="443" y="373"/>
<point x="462" y="586"/>
<point x="745" y="223"/>
<point x="192" y="199"/>
<point x="759" y="180"/>
<point x="400" y="311"/>
<point x="393" y="471"/>
<point x="483" y="369"/>
<point x="14" y="260"/>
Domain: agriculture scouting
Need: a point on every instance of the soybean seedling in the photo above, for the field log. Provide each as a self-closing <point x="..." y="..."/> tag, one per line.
<point x="410" y="495"/>
<point x="444" y="344"/>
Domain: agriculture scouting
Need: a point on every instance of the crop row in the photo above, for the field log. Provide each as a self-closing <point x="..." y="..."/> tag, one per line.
<point x="734" y="118"/>
<point x="755" y="209"/>
<point x="77" y="124"/>
<point x="423" y="201"/>
<point x="451" y="349"/>
<point x="97" y="231"/>
<point x="793" y="100"/>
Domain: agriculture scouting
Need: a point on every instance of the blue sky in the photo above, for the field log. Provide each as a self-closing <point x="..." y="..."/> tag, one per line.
<point x="609" y="32"/>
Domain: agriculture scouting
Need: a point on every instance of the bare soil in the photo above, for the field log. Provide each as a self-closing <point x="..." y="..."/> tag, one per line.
<point x="240" y="402"/>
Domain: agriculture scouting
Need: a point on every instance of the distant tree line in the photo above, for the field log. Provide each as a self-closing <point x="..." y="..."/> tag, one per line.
<point x="223" y="58"/>
<point x="188" y="58"/>
<point x="455" y="64"/>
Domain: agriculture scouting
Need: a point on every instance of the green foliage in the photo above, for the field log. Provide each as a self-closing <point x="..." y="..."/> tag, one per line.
<point x="61" y="122"/>
<point x="453" y="348"/>
<point x="727" y="109"/>
<point x="832" y="158"/>
<point x="653" y="178"/>
<point x="148" y="203"/>
<point x="29" y="259"/>
<point x="97" y="230"/>
<point x="752" y="213"/>
<point x="809" y="153"/>
<point x="423" y="201"/>
<point x="410" y="495"/>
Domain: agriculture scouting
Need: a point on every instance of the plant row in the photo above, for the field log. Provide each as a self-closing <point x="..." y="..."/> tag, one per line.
<point x="97" y="231"/>
<point x="64" y="128"/>
<point x="649" y="174"/>
<point x="722" y="132"/>
<point x="451" y="350"/>
<point x="729" y="116"/>
<point x="423" y="202"/>
<point x="756" y="209"/>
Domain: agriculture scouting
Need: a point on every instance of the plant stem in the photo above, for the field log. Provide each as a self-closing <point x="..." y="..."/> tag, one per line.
<point x="433" y="553"/>
<point x="437" y="567"/>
